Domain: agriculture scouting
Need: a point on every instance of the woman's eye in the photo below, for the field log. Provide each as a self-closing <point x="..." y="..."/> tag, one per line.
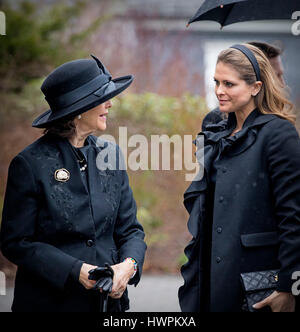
<point x="228" y="84"/>
<point x="217" y="82"/>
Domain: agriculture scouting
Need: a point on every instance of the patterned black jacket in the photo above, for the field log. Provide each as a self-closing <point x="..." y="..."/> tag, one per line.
<point x="51" y="224"/>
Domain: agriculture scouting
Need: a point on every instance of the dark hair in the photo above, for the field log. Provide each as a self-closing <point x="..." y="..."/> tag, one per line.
<point x="65" y="129"/>
<point x="270" y="51"/>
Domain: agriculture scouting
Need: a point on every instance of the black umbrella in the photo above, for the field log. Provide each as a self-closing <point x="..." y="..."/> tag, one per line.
<point x="232" y="11"/>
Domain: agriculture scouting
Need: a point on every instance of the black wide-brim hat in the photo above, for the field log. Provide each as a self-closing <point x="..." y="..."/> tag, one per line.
<point x="77" y="86"/>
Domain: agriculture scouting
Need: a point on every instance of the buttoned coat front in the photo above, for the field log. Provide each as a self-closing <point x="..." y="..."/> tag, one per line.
<point x="48" y="225"/>
<point x="256" y="210"/>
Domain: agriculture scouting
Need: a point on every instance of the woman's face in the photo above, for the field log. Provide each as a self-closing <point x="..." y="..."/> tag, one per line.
<point x="94" y="119"/>
<point x="233" y="93"/>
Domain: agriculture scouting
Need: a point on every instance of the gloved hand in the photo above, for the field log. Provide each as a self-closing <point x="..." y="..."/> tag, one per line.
<point x="105" y="284"/>
<point x="103" y="276"/>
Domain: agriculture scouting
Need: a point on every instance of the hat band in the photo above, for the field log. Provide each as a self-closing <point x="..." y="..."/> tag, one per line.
<point x="76" y="95"/>
<point x="249" y="54"/>
<point x="105" y="89"/>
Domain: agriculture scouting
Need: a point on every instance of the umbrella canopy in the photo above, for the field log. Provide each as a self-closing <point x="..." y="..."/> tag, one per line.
<point x="232" y="11"/>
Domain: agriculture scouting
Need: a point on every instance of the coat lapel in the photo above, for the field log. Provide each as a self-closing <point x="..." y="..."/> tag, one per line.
<point x="103" y="185"/>
<point x="68" y="198"/>
<point x="67" y="160"/>
<point x="104" y="188"/>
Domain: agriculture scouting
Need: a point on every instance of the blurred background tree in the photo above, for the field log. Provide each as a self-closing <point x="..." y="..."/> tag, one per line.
<point x="39" y="38"/>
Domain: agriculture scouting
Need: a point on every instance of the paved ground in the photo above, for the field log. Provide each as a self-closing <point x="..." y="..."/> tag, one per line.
<point x="6" y="300"/>
<point x="153" y="294"/>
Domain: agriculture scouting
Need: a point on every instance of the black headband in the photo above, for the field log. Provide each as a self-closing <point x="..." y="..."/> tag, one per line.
<point x="249" y="54"/>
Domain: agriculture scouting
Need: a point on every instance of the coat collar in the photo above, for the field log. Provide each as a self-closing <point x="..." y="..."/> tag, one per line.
<point x="234" y="145"/>
<point x="243" y="139"/>
<point x="214" y="132"/>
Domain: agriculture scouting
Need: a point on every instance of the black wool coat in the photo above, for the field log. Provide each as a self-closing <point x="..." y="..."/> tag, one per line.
<point x="212" y="117"/>
<point x="49" y="226"/>
<point x="256" y="211"/>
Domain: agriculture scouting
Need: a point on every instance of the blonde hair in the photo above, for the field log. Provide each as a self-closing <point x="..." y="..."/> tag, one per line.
<point x="272" y="97"/>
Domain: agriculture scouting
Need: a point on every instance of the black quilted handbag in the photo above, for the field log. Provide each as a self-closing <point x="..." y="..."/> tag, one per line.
<point x="257" y="286"/>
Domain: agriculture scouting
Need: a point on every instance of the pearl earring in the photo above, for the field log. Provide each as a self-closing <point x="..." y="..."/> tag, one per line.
<point x="79" y="117"/>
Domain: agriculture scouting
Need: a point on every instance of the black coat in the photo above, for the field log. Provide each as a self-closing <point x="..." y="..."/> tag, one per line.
<point x="256" y="211"/>
<point x="49" y="226"/>
<point x="212" y="117"/>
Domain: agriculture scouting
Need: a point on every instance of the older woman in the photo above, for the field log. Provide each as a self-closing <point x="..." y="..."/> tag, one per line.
<point x="64" y="216"/>
<point x="245" y="212"/>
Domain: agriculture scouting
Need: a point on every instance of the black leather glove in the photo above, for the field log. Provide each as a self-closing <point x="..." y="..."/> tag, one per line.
<point x="105" y="284"/>
<point x="104" y="277"/>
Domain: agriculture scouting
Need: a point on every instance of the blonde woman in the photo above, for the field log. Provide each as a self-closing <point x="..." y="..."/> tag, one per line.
<point x="245" y="212"/>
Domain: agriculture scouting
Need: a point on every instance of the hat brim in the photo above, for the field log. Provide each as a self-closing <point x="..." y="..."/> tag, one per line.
<point x="49" y="117"/>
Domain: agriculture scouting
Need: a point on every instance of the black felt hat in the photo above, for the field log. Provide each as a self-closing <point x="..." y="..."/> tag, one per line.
<point x="77" y="86"/>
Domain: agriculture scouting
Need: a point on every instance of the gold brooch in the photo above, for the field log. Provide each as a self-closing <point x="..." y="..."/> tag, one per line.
<point x="62" y="175"/>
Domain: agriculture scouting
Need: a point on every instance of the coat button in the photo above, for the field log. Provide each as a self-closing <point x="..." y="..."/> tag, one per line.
<point x="219" y="230"/>
<point x="89" y="243"/>
<point x="218" y="259"/>
<point x="221" y="199"/>
<point x="224" y="170"/>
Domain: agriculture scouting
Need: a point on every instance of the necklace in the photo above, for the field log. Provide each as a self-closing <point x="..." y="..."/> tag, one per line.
<point x="83" y="164"/>
<point x="80" y="158"/>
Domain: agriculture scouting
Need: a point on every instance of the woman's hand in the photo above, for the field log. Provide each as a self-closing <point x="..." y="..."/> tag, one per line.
<point x="279" y="302"/>
<point x="84" y="276"/>
<point x="122" y="274"/>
